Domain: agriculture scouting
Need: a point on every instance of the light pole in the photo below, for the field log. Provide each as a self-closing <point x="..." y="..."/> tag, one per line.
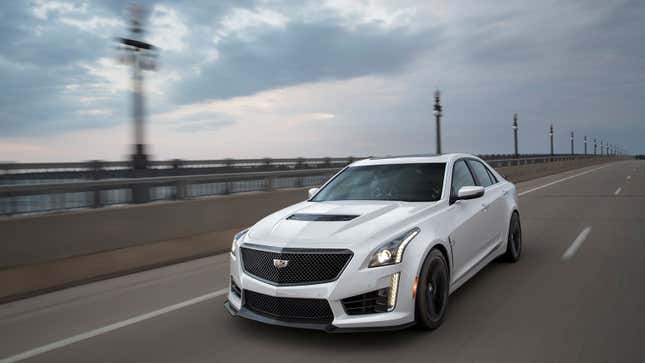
<point x="585" y="141"/>
<point x="572" y="143"/>
<point x="515" y="134"/>
<point x="141" y="56"/>
<point x="551" y="136"/>
<point x="601" y="148"/>
<point x="437" y="114"/>
<point x="595" y="146"/>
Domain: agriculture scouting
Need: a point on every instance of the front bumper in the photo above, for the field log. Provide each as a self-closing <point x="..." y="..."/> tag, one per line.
<point x="356" y="279"/>
<point x="329" y="328"/>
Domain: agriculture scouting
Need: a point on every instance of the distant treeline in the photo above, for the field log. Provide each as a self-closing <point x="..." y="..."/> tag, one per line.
<point x="640" y="156"/>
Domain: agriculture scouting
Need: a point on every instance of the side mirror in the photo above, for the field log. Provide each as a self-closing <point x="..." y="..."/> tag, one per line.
<point x="470" y="192"/>
<point x="312" y="192"/>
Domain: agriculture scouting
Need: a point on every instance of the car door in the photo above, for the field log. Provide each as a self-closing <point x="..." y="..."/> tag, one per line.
<point x="492" y="203"/>
<point x="468" y="217"/>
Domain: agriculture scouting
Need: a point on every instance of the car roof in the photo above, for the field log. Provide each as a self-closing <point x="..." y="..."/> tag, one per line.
<point x="411" y="159"/>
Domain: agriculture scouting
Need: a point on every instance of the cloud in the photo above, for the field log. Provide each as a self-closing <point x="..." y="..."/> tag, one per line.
<point x="300" y="53"/>
<point x="43" y="8"/>
<point x="257" y="78"/>
<point x="240" y="21"/>
<point x="203" y="125"/>
<point x="167" y="29"/>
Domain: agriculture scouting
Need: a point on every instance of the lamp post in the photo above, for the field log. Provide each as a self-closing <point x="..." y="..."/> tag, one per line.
<point x="585" y="141"/>
<point x="515" y="134"/>
<point x="601" y="148"/>
<point x="437" y="114"/>
<point x="572" y="143"/>
<point x="141" y="56"/>
<point x="595" y="146"/>
<point x="551" y="136"/>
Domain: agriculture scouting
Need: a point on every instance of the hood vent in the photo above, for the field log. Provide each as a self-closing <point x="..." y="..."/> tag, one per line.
<point x="321" y="217"/>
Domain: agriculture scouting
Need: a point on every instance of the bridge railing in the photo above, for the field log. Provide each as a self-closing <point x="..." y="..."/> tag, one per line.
<point x="98" y="169"/>
<point x="46" y="196"/>
<point x="292" y="163"/>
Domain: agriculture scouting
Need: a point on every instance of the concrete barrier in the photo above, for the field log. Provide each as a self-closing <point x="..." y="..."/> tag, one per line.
<point x="42" y="253"/>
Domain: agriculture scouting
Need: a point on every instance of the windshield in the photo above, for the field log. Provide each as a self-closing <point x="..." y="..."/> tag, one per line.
<point x="401" y="182"/>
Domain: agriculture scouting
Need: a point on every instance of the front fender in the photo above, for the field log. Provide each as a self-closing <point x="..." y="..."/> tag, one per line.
<point x="422" y="250"/>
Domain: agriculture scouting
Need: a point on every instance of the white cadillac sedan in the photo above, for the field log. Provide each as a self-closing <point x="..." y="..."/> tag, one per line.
<point x="381" y="245"/>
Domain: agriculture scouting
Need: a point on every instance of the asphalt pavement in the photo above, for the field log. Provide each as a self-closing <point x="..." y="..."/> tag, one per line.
<point x="575" y="296"/>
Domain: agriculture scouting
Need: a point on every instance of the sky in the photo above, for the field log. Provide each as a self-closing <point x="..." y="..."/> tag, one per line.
<point x="254" y="78"/>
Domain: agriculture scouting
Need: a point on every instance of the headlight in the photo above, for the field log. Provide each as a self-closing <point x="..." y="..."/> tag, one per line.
<point x="392" y="252"/>
<point x="237" y="239"/>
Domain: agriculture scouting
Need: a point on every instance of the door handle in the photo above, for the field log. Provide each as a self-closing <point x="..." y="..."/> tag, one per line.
<point x="485" y="206"/>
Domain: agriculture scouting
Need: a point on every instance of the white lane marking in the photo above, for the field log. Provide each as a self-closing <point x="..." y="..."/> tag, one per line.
<point x="108" y="328"/>
<point x="561" y="180"/>
<point x="571" y="251"/>
<point x="618" y="191"/>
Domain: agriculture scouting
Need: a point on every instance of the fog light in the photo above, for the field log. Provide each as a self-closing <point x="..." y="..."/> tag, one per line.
<point x="394" y="288"/>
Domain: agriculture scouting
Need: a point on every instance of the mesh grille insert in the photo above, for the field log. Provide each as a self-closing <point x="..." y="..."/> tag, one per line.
<point x="295" y="266"/>
<point x="289" y="309"/>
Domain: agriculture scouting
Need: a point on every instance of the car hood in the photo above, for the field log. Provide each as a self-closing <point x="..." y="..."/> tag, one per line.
<point x="330" y="224"/>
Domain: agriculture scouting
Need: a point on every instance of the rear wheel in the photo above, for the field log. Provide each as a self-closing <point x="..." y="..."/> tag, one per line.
<point x="432" y="291"/>
<point x="514" y="245"/>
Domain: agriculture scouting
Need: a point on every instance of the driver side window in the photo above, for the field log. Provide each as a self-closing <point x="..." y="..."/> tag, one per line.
<point x="461" y="177"/>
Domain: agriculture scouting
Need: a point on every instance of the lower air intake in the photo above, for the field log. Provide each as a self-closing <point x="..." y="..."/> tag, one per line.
<point x="289" y="309"/>
<point x="368" y="303"/>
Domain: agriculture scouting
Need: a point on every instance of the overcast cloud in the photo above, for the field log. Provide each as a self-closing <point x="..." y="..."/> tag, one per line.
<point x="291" y="78"/>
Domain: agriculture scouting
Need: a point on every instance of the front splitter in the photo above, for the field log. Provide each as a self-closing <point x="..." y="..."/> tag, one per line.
<point x="329" y="328"/>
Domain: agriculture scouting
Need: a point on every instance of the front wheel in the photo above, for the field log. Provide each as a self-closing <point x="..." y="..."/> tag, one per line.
<point x="432" y="291"/>
<point x="514" y="245"/>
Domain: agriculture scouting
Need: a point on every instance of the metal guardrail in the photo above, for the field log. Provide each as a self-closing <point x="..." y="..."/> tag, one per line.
<point x="48" y="197"/>
<point x="173" y="164"/>
<point x="176" y="164"/>
<point x="60" y="196"/>
<point x="31" y="173"/>
<point x="499" y="163"/>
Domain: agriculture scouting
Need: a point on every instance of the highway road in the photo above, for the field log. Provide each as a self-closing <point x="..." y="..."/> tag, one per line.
<point x="577" y="295"/>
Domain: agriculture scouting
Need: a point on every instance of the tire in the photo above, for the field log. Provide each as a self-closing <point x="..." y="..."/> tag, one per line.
<point x="514" y="244"/>
<point x="432" y="291"/>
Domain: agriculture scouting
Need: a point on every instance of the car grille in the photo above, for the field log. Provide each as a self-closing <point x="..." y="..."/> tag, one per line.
<point x="305" y="266"/>
<point x="368" y="303"/>
<point x="289" y="309"/>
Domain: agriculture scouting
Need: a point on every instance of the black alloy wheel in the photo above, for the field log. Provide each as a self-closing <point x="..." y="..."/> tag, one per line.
<point x="514" y="246"/>
<point x="432" y="291"/>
